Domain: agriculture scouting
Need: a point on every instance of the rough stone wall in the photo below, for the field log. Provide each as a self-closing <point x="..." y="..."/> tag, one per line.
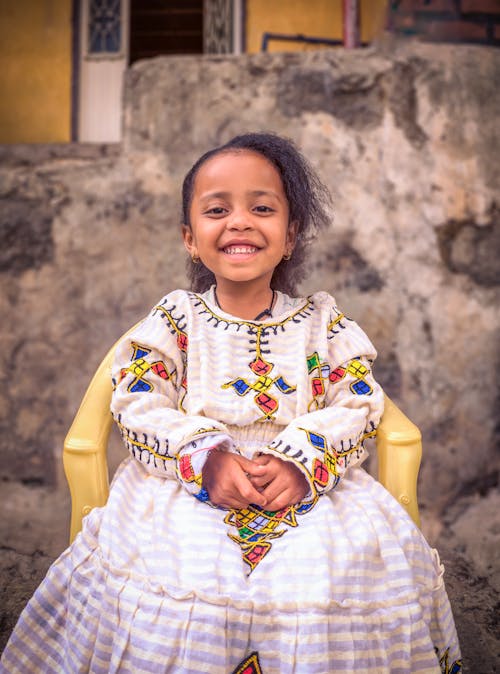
<point x="406" y="139"/>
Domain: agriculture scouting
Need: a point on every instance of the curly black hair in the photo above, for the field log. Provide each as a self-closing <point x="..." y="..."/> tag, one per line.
<point x="308" y="203"/>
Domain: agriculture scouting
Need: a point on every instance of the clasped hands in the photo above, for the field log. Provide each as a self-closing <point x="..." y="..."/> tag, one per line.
<point x="233" y="481"/>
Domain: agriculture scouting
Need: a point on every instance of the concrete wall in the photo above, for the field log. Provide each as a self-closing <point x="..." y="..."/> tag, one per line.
<point x="406" y="138"/>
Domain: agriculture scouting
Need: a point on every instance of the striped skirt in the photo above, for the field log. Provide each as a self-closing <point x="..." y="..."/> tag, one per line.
<point x="158" y="581"/>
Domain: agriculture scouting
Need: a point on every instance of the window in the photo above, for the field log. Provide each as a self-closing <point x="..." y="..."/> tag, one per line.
<point x="104" y="28"/>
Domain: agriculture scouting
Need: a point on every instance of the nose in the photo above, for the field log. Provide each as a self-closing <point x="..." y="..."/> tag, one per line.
<point x="239" y="220"/>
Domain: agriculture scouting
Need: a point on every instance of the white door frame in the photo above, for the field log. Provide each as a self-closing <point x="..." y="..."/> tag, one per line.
<point x="101" y="70"/>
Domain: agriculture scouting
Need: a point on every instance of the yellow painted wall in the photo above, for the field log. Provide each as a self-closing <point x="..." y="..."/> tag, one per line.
<point x="313" y="18"/>
<point x="35" y="71"/>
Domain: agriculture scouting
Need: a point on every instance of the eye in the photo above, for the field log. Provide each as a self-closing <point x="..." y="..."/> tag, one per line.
<point x="215" y="211"/>
<point x="263" y="209"/>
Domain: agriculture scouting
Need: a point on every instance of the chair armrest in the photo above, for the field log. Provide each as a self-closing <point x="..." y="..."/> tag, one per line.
<point x="86" y="444"/>
<point x="85" y="447"/>
<point x="399" y="450"/>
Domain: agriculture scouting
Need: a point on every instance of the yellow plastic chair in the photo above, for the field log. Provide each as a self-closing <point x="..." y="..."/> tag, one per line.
<point x="398" y="440"/>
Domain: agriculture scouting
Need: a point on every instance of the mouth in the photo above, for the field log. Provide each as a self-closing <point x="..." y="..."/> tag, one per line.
<point x="240" y="250"/>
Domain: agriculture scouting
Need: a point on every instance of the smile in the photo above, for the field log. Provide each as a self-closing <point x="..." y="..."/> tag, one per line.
<point x="239" y="250"/>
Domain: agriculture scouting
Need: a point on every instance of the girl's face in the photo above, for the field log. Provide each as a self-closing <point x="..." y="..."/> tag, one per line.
<point x="239" y="219"/>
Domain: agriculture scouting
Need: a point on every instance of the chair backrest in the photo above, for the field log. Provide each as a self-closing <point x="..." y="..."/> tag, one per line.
<point x="398" y="440"/>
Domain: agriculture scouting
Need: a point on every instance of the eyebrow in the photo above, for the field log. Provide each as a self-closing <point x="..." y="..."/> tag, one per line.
<point x="252" y="193"/>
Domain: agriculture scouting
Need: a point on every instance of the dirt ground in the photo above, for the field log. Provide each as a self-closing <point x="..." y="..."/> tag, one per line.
<point x="34" y="530"/>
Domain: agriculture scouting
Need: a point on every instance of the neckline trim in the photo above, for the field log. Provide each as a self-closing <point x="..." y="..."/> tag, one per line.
<point x="268" y="312"/>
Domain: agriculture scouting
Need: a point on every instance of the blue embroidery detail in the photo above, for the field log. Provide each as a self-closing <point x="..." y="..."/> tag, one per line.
<point x="361" y="387"/>
<point x="240" y="386"/>
<point x="317" y="440"/>
<point x="283" y="386"/>
<point x="140" y="386"/>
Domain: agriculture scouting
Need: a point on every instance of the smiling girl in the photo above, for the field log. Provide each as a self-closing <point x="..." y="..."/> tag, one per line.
<point x="242" y="534"/>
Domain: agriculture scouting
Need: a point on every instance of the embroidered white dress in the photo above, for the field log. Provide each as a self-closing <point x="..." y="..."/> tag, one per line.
<point x="160" y="580"/>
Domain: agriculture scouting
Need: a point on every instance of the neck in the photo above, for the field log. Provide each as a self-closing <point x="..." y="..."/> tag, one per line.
<point x="246" y="302"/>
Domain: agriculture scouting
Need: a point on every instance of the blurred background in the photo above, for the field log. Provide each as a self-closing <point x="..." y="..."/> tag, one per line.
<point x="63" y="60"/>
<point x="104" y="106"/>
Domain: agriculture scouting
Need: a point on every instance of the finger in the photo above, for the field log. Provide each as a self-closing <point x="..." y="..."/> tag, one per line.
<point x="261" y="481"/>
<point x="233" y="504"/>
<point x="272" y="491"/>
<point x="248" y="493"/>
<point x="292" y="492"/>
<point x="262" y="459"/>
<point x="276" y="506"/>
<point x="279" y="503"/>
<point x="285" y="499"/>
<point x="229" y="499"/>
<point x="270" y="471"/>
<point x="249" y="466"/>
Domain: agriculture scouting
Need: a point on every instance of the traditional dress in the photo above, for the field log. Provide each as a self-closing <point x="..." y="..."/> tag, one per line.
<point x="160" y="580"/>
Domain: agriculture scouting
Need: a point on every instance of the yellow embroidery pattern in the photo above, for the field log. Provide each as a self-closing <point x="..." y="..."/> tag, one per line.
<point x="267" y="403"/>
<point x="257" y="528"/>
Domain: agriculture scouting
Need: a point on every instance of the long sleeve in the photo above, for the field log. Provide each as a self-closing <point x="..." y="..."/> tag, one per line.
<point x="346" y="407"/>
<point x="150" y="384"/>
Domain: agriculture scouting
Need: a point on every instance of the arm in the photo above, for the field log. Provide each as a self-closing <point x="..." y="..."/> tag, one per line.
<point x="149" y="379"/>
<point x="324" y="442"/>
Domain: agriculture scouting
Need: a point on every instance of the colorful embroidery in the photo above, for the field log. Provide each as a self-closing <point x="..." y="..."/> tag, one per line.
<point x="336" y="324"/>
<point x="323" y="468"/>
<point x="294" y="453"/>
<point x="249" y="665"/>
<point x="186" y="468"/>
<point x="337" y="374"/>
<point x="192" y="458"/>
<point x="332" y="458"/>
<point x="302" y="312"/>
<point x="257" y="528"/>
<point x="267" y="403"/>
<point x="202" y="495"/>
<point x="177" y="328"/>
<point x="321" y="373"/>
<point x="358" y="370"/>
<point x="448" y="667"/>
<point x="139" y="367"/>
<point x="141" y="450"/>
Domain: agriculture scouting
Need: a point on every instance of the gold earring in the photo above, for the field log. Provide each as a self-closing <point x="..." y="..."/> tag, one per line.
<point x="195" y="259"/>
<point x="287" y="256"/>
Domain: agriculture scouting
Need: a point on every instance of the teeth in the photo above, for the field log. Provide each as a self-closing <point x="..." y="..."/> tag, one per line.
<point x="234" y="250"/>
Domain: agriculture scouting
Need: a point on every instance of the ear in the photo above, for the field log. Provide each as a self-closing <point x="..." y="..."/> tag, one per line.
<point x="291" y="236"/>
<point x="189" y="242"/>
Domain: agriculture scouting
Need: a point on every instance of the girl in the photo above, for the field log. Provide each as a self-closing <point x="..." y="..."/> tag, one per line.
<point x="242" y="534"/>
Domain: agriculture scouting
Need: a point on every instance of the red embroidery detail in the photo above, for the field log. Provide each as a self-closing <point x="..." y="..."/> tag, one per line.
<point x="159" y="369"/>
<point x="267" y="404"/>
<point x="186" y="469"/>
<point x="249" y="665"/>
<point x="257" y="553"/>
<point x="318" y="387"/>
<point x="260" y="366"/>
<point x="320" y="472"/>
<point x="337" y="374"/>
<point x="182" y="341"/>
